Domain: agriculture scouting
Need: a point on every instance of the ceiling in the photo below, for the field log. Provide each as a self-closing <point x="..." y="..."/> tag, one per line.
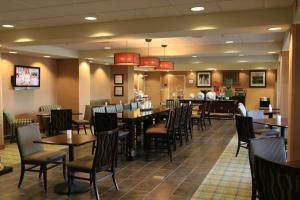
<point x="58" y="28"/>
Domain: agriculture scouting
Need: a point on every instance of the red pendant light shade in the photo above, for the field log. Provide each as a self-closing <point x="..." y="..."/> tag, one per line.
<point x="149" y="62"/>
<point x="165" y="66"/>
<point x="127" y="58"/>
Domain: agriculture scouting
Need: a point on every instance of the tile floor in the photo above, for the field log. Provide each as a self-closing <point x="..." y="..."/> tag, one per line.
<point x="158" y="179"/>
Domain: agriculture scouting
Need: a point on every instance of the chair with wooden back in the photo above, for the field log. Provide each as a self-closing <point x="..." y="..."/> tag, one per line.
<point x="104" y="160"/>
<point x="61" y="120"/>
<point x="86" y="121"/>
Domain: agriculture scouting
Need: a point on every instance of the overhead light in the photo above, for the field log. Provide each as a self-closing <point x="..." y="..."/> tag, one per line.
<point x="272" y="52"/>
<point x="13" y="52"/>
<point x="229" y="42"/>
<point x="90" y="61"/>
<point x="242" y="61"/>
<point x="8" y="26"/>
<point x="107" y="47"/>
<point x="90" y="18"/>
<point x="231" y="52"/>
<point x="165" y="65"/>
<point x="106" y="63"/>
<point x="197" y="9"/>
<point x="90" y="58"/>
<point x="197" y="62"/>
<point x="47" y="56"/>
<point x="195" y="56"/>
<point x="127" y="59"/>
<point x="274" y="29"/>
<point x="149" y="61"/>
<point x="241" y="55"/>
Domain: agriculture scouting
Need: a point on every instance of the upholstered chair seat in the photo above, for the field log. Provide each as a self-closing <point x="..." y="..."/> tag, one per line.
<point x="44" y="156"/>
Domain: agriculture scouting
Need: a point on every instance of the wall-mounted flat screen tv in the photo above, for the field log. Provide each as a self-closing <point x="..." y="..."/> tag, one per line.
<point x="26" y="76"/>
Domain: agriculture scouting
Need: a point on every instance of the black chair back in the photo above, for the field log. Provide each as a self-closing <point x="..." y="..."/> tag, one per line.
<point x="106" y="150"/>
<point x="276" y="181"/>
<point x="244" y="128"/>
<point x="177" y="117"/>
<point x="61" y="120"/>
<point x="203" y="107"/>
<point x="184" y="111"/>
<point x="105" y="122"/>
<point x="189" y="114"/>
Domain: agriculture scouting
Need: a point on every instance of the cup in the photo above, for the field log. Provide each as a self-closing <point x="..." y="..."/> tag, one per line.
<point x="278" y="118"/>
<point x="69" y="134"/>
<point x="106" y="103"/>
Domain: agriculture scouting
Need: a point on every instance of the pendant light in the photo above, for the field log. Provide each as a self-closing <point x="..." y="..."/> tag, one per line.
<point x="127" y="58"/>
<point x="165" y="65"/>
<point x="149" y="61"/>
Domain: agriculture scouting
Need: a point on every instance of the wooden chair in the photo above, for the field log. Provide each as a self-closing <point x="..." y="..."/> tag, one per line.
<point x="244" y="128"/>
<point x="207" y="111"/>
<point x="103" y="161"/>
<point x="183" y="121"/>
<point x="268" y="148"/>
<point x="177" y="125"/>
<point x="188" y="121"/>
<point x="86" y="121"/>
<point x="160" y="134"/>
<point x="61" y="120"/>
<point x="276" y="181"/>
<point x="33" y="154"/>
<point x="200" y="118"/>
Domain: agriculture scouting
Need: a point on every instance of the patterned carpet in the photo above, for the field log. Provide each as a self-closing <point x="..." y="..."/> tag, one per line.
<point x="230" y="178"/>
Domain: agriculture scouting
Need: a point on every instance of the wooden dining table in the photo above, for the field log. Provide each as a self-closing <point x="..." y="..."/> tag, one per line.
<point x="133" y="119"/>
<point x="76" y="140"/>
<point x="48" y="114"/>
<point x="282" y="124"/>
<point x="295" y="163"/>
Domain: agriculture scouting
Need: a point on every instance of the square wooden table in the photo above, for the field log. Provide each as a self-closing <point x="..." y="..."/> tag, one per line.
<point x="76" y="140"/>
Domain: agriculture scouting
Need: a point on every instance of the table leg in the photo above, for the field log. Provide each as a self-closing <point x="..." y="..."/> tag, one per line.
<point x="283" y="132"/>
<point x="77" y="186"/>
<point x="131" y="141"/>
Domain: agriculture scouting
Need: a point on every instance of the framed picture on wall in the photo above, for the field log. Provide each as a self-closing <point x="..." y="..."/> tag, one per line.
<point x="204" y="79"/>
<point x="119" y="91"/>
<point x="258" y="78"/>
<point x="118" y="78"/>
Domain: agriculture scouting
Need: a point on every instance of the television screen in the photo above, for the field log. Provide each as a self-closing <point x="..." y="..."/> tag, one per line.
<point x="27" y="76"/>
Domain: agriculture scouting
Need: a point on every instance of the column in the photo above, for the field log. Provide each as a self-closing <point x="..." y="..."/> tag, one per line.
<point x="1" y="111"/>
<point x="284" y="79"/>
<point x="294" y="95"/>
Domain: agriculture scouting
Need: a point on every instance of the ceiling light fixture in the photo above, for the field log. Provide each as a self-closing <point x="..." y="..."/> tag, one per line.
<point x="13" y="52"/>
<point x="229" y="42"/>
<point x="241" y="55"/>
<point x="107" y="48"/>
<point x="8" y="26"/>
<point x="197" y="9"/>
<point x="127" y="58"/>
<point x="90" y="18"/>
<point x="242" y="61"/>
<point x="195" y="56"/>
<point x="47" y="56"/>
<point x="149" y="61"/>
<point x="272" y="52"/>
<point x="165" y="65"/>
<point x="274" y="29"/>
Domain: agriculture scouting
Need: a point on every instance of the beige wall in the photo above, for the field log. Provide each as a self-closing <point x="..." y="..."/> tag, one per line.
<point x="68" y="83"/>
<point x="1" y="109"/>
<point x="26" y="102"/>
<point x="100" y="82"/>
<point x="153" y="87"/>
<point x="252" y="98"/>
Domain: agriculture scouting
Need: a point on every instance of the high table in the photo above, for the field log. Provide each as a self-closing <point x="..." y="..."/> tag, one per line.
<point x="48" y="114"/>
<point x="77" y="140"/>
<point x="282" y="124"/>
<point x="134" y="118"/>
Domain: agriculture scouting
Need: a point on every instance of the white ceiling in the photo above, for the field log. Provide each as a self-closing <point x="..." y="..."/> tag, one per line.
<point x="40" y="13"/>
<point x="251" y="37"/>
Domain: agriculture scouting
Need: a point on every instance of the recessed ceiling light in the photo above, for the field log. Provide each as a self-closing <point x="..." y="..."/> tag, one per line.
<point x="197" y="9"/>
<point x="271" y="52"/>
<point x="241" y="55"/>
<point x="195" y="56"/>
<point x="47" y="56"/>
<point x="231" y="52"/>
<point x="274" y="29"/>
<point x="13" y="52"/>
<point x="107" y="48"/>
<point x="90" y="58"/>
<point x="8" y="26"/>
<point x="90" y="61"/>
<point x="229" y="42"/>
<point x="197" y="62"/>
<point x="242" y="61"/>
<point x="90" y="18"/>
<point x="106" y="63"/>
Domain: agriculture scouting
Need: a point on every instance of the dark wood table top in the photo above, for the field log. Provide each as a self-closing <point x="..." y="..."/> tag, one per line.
<point x="295" y="163"/>
<point x="138" y="113"/>
<point x="266" y="112"/>
<point x="272" y="122"/>
<point x="45" y="114"/>
<point x="63" y="140"/>
<point x="267" y="108"/>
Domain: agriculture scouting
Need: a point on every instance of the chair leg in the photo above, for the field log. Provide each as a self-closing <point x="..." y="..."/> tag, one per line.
<point x="22" y="174"/>
<point x="91" y="129"/>
<point x="78" y="129"/>
<point x="95" y="186"/>
<point x="169" y="149"/>
<point x="147" y="141"/>
<point x="84" y="129"/>
<point x="64" y="168"/>
<point x="41" y="172"/>
<point x="45" y="177"/>
<point x="114" y="179"/>
<point x="93" y="148"/>
<point x="174" y="141"/>
<point x="238" y="148"/>
<point x="253" y="196"/>
<point x="69" y="181"/>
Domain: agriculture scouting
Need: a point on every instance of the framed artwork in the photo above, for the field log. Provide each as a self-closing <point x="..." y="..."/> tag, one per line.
<point x="204" y="79"/>
<point x="119" y="91"/>
<point x="258" y="78"/>
<point x="118" y="78"/>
